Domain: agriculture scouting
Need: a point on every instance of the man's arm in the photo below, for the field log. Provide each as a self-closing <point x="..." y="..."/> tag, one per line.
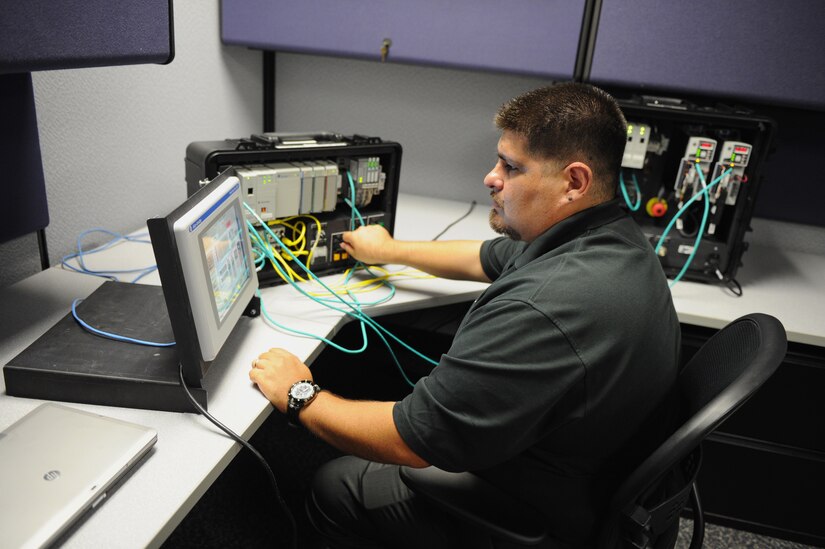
<point x="456" y="259"/>
<point x="362" y="428"/>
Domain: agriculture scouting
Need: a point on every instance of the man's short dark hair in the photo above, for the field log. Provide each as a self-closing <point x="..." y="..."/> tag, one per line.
<point x="571" y="122"/>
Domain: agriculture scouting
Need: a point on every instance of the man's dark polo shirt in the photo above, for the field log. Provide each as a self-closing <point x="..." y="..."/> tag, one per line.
<point x="554" y="367"/>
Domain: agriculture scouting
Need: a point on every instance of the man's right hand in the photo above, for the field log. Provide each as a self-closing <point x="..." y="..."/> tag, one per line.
<point x="457" y="259"/>
<point x="370" y="244"/>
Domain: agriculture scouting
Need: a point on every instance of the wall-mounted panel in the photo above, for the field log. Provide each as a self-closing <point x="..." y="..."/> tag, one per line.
<point x="765" y="51"/>
<point x="521" y="36"/>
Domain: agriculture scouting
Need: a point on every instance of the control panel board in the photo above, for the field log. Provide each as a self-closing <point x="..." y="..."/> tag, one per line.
<point x="302" y="192"/>
<point x="690" y="177"/>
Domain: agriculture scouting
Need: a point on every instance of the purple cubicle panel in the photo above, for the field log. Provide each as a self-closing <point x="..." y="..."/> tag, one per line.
<point x="760" y="50"/>
<point x="42" y="35"/>
<point x="521" y="36"/>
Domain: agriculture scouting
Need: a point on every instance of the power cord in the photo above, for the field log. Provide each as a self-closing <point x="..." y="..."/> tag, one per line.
<point x="270" y="475"/>
<point x="735" y="288"/>
<point x="207" y="415"/>
<point x="451" y="225"/>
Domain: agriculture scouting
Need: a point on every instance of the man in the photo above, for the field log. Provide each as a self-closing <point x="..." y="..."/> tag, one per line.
<point x="552" y="371"/>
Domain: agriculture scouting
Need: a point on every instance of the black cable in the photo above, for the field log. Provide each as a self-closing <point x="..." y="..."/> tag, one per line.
<point x="734" y="286"/>
<point x="690" y="229"/>
<point x="44" y="249"/>
<point x="245" y="444"/>
<point x="447" y="228"/>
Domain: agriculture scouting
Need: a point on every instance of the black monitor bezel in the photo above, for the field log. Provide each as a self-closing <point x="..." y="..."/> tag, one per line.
<point x="175" y="291"/>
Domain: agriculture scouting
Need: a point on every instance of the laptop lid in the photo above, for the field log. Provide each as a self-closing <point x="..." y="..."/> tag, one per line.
<point x="58" y="462"/>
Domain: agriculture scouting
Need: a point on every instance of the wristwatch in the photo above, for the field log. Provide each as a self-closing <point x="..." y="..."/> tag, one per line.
<point x="300" y="394"/>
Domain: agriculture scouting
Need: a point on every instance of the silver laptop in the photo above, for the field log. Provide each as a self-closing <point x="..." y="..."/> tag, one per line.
<point x="57" y="463"/>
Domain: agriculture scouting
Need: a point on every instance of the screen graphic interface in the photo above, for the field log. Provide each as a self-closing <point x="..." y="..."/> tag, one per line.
<point x="225" y="254"/>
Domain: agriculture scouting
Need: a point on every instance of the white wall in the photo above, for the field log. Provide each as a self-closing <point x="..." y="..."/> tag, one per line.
<point x="113" y="139"/>
<point x="443" y="118"/>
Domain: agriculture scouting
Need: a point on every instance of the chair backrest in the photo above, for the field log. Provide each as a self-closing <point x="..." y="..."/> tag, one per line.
<point x="716" y="381"/>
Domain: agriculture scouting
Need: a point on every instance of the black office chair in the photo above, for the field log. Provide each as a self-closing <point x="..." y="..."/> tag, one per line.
<point x="645" y="509"/>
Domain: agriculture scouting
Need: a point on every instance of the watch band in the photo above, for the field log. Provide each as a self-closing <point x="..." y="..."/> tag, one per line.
<point x="292" y="414"/>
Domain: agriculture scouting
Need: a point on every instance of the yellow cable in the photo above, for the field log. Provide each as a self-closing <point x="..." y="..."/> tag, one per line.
<point x="300" y="231"/>
<point x="280" y="259"/>
<point x="292" y="273"/>
<point x="371" y="284"/>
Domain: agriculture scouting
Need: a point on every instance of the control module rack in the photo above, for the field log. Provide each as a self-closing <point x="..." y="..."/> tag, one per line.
<point x="303" y="186"/>
<point x="674" y="149"/>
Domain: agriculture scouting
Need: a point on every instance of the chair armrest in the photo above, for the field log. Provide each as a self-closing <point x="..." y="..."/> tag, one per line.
<point x="478" y="502"/>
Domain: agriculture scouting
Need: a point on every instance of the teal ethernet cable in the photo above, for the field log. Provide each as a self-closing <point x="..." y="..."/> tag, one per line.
<point x="623" y="187"/>
<point x="703" y="193"/>
<point x="260" y="248"/>
<point x="358" y="315"/>
<point x="260" y="257"/>
<point x="351" y="203"/>
<point x="314" y="336"/>
<point x="353" y="311"/>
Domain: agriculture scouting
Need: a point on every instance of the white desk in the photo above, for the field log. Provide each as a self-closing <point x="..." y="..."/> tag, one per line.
<point x="788" y="285"/>
<point x="191" y="453"/>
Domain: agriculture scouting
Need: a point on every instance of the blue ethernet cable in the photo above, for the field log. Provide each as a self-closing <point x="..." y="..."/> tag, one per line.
<point x="108" y="274"/>
<point x="109" y="335"/>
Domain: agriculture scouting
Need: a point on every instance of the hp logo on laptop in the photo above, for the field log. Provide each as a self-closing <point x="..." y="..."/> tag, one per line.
<point x="51" y="475"/>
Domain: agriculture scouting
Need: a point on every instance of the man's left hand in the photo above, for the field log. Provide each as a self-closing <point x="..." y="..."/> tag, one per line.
<point x="274" y="372"/>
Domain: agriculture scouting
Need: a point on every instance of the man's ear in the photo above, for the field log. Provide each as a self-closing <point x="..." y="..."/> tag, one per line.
<point x="579" y="178"/>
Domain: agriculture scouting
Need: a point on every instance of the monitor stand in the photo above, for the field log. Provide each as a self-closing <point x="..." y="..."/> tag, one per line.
<point x="69" y="363"/>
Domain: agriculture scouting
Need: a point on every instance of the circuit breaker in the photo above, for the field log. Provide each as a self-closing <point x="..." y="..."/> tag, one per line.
<point x="690" y="177"/>
<point x="307" y="188"/>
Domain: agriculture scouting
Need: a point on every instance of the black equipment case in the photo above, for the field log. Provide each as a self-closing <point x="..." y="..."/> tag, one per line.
<point x="282" y="164"/>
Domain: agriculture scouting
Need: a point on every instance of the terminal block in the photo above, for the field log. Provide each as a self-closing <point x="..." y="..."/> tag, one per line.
<point x="733" y="159"/>
<point x="699" y="155"/>
<point x="635" y="150"/>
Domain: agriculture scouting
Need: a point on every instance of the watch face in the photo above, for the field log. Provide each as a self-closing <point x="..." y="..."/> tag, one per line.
<point x="302" y="390"/>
